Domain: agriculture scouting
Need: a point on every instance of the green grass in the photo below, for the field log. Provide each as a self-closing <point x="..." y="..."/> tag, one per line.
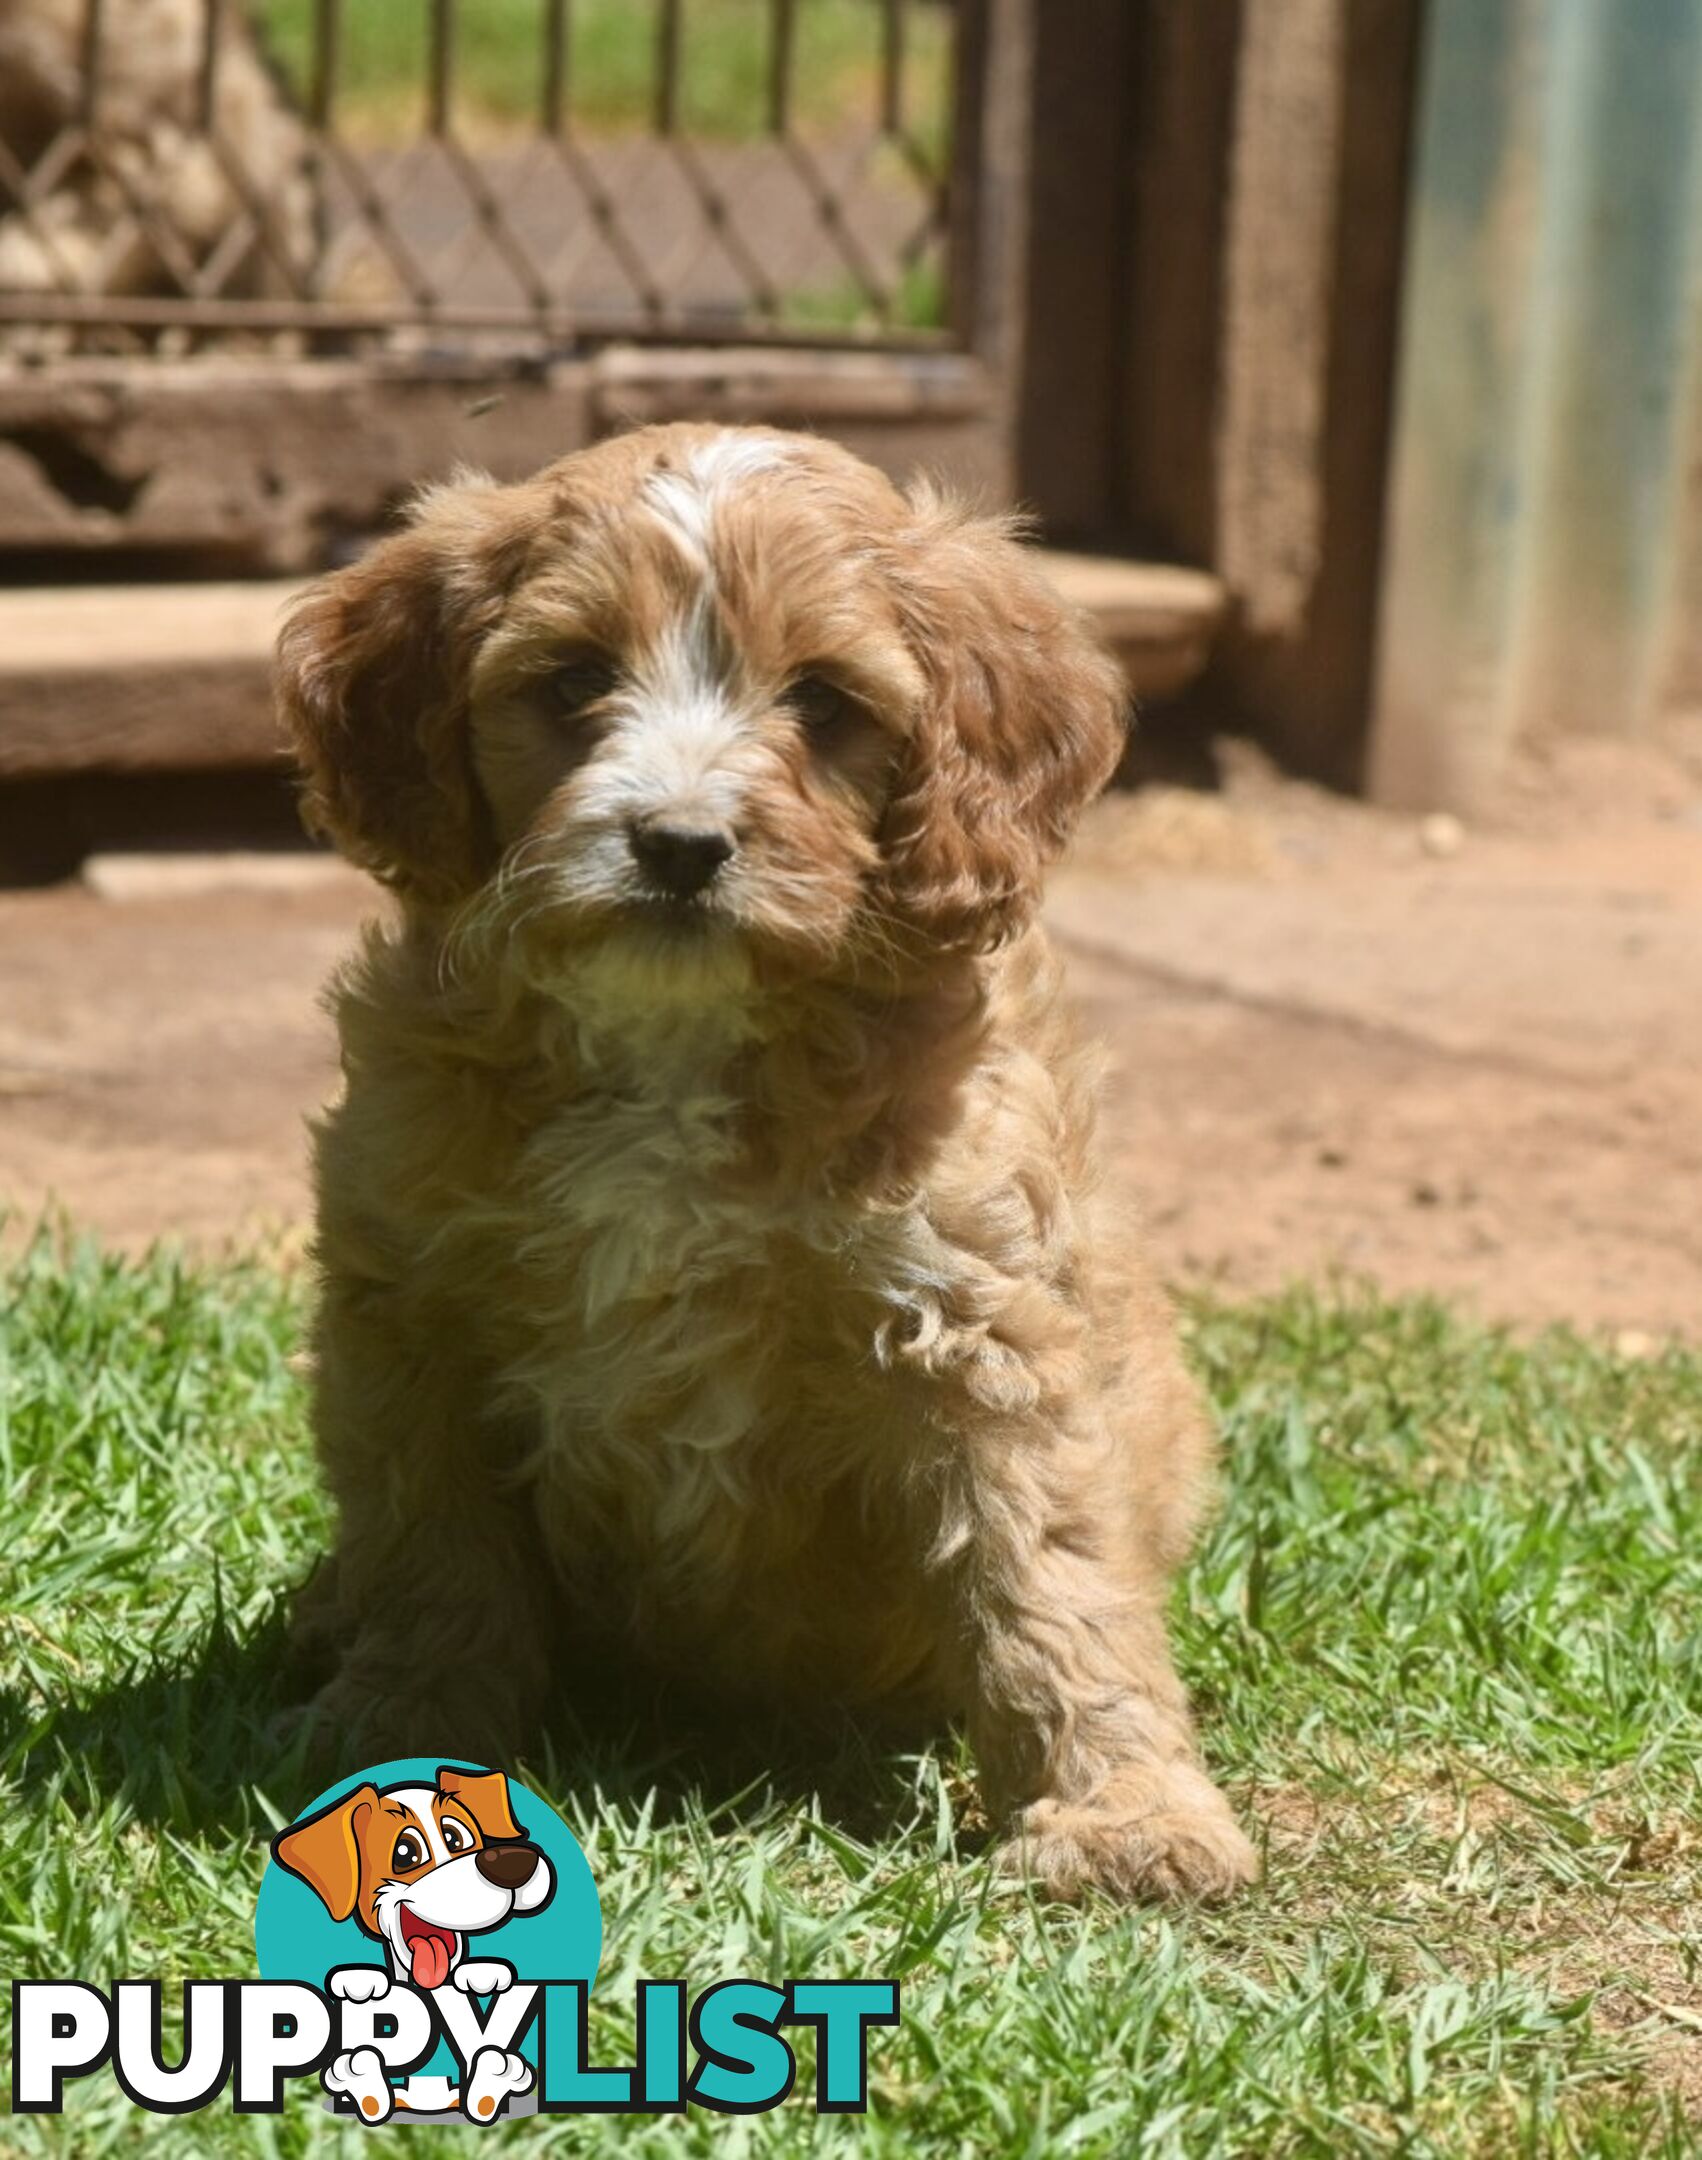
<point x="613" y="63"/>
<point x="1444" y="1639"/>
<point x="918" y="303"/>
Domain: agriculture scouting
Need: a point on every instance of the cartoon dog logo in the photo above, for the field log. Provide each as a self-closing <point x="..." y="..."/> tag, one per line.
<point x="420" y="1868"/>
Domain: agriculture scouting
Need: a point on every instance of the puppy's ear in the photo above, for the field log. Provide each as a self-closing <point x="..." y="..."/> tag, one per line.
<point x="1024" y="721"/>
<point x="325" y="1850"/>
<point x="372" y="675"/>
<point x="484" y="1794"/>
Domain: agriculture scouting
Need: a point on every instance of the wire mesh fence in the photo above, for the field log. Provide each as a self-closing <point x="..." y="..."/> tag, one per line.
<point x="516" y="171"/>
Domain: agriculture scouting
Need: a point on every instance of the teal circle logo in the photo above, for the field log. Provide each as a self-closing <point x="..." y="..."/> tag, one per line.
<point x="447" y="1878"/>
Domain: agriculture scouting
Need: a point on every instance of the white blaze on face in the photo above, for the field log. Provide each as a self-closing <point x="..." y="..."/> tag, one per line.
<point x="679" y="729"/>
<point x="676" y="734"/>
<point x="686" y="500"/>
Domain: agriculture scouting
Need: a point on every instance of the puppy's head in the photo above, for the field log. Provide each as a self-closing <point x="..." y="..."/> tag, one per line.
<point x="421" y="1867"/>
<point x="711" y="699"/>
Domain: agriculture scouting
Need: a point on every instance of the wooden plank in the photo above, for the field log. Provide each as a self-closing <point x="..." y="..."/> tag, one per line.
<point x="133" y="678"/>
<point x="174" y="718"/>
<point x="56" y="631"/>
<point x="939" y="413"/>
<point x="252" y="464"/>
<point x="1159" y="619"/>
<point x="634" y="384"/>
<point x="267" y="465"/>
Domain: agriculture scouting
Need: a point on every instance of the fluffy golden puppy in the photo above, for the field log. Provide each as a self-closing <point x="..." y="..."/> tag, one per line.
<point x="708" y="1249"/>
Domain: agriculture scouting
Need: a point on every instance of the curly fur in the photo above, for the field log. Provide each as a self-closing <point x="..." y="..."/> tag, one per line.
<point x="730" y="1283"/>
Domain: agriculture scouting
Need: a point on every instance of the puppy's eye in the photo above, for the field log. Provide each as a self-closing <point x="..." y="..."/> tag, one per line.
<point x="454" y="1836"/>
<point x="580" y="682"/>
<point x="824" y="709"/>
<point x="410" y="1852"/>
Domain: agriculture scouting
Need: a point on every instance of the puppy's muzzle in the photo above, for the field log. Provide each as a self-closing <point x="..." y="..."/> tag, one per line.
<point x="508" y="1866"/>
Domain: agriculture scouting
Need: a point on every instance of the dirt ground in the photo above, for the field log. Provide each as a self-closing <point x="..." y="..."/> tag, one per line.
<point x="1464" y="1061"/>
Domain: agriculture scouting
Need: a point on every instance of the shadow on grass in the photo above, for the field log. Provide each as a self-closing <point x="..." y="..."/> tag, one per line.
<point x="188" y="1742"/>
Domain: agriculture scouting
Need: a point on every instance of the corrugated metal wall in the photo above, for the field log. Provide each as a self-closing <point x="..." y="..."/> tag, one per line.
<point x="1543" y="569"/>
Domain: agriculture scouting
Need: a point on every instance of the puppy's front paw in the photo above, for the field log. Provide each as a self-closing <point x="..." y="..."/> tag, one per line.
<point x="1159" y="1832"/>
<point x="362" y="1717"/>
<point x="484" y="1976"/>
<point x="359" y="1983"/>
<point x="347" y="1724"/>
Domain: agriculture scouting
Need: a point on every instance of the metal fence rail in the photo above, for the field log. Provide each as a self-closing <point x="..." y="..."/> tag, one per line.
<point x="203" y="168"/>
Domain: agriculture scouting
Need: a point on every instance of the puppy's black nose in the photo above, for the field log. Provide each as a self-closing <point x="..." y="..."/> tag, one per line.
<point x="680" y="860"/>
<point x="508" y="1866"/>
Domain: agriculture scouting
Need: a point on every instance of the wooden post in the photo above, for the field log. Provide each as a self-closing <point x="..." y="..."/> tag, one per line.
<point x="1070" y="410"/>
<point x="992" y="134"/>
<point x="1310" y="357"/>
<point x="1213" y="285"/>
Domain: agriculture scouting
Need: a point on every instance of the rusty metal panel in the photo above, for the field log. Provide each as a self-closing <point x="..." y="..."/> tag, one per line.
<point x="1548" y="396"/>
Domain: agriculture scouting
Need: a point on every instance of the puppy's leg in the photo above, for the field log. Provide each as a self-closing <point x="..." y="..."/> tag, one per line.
<point x="1077" y="1715"/>
<point x="439" y="1574"/>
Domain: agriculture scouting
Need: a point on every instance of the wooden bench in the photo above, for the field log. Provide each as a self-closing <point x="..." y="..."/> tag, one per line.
<point x="135" y="678"/>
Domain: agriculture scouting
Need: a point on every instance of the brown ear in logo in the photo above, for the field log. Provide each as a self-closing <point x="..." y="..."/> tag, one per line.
<point x="325" y="1850"/>
<point x="484" y="1794"/>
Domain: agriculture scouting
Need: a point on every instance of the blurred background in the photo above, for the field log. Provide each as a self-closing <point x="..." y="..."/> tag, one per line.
<point x="1344" y="352"/>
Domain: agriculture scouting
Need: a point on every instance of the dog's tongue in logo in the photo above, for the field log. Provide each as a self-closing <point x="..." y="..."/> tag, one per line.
<point x="431" y="1950"/>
